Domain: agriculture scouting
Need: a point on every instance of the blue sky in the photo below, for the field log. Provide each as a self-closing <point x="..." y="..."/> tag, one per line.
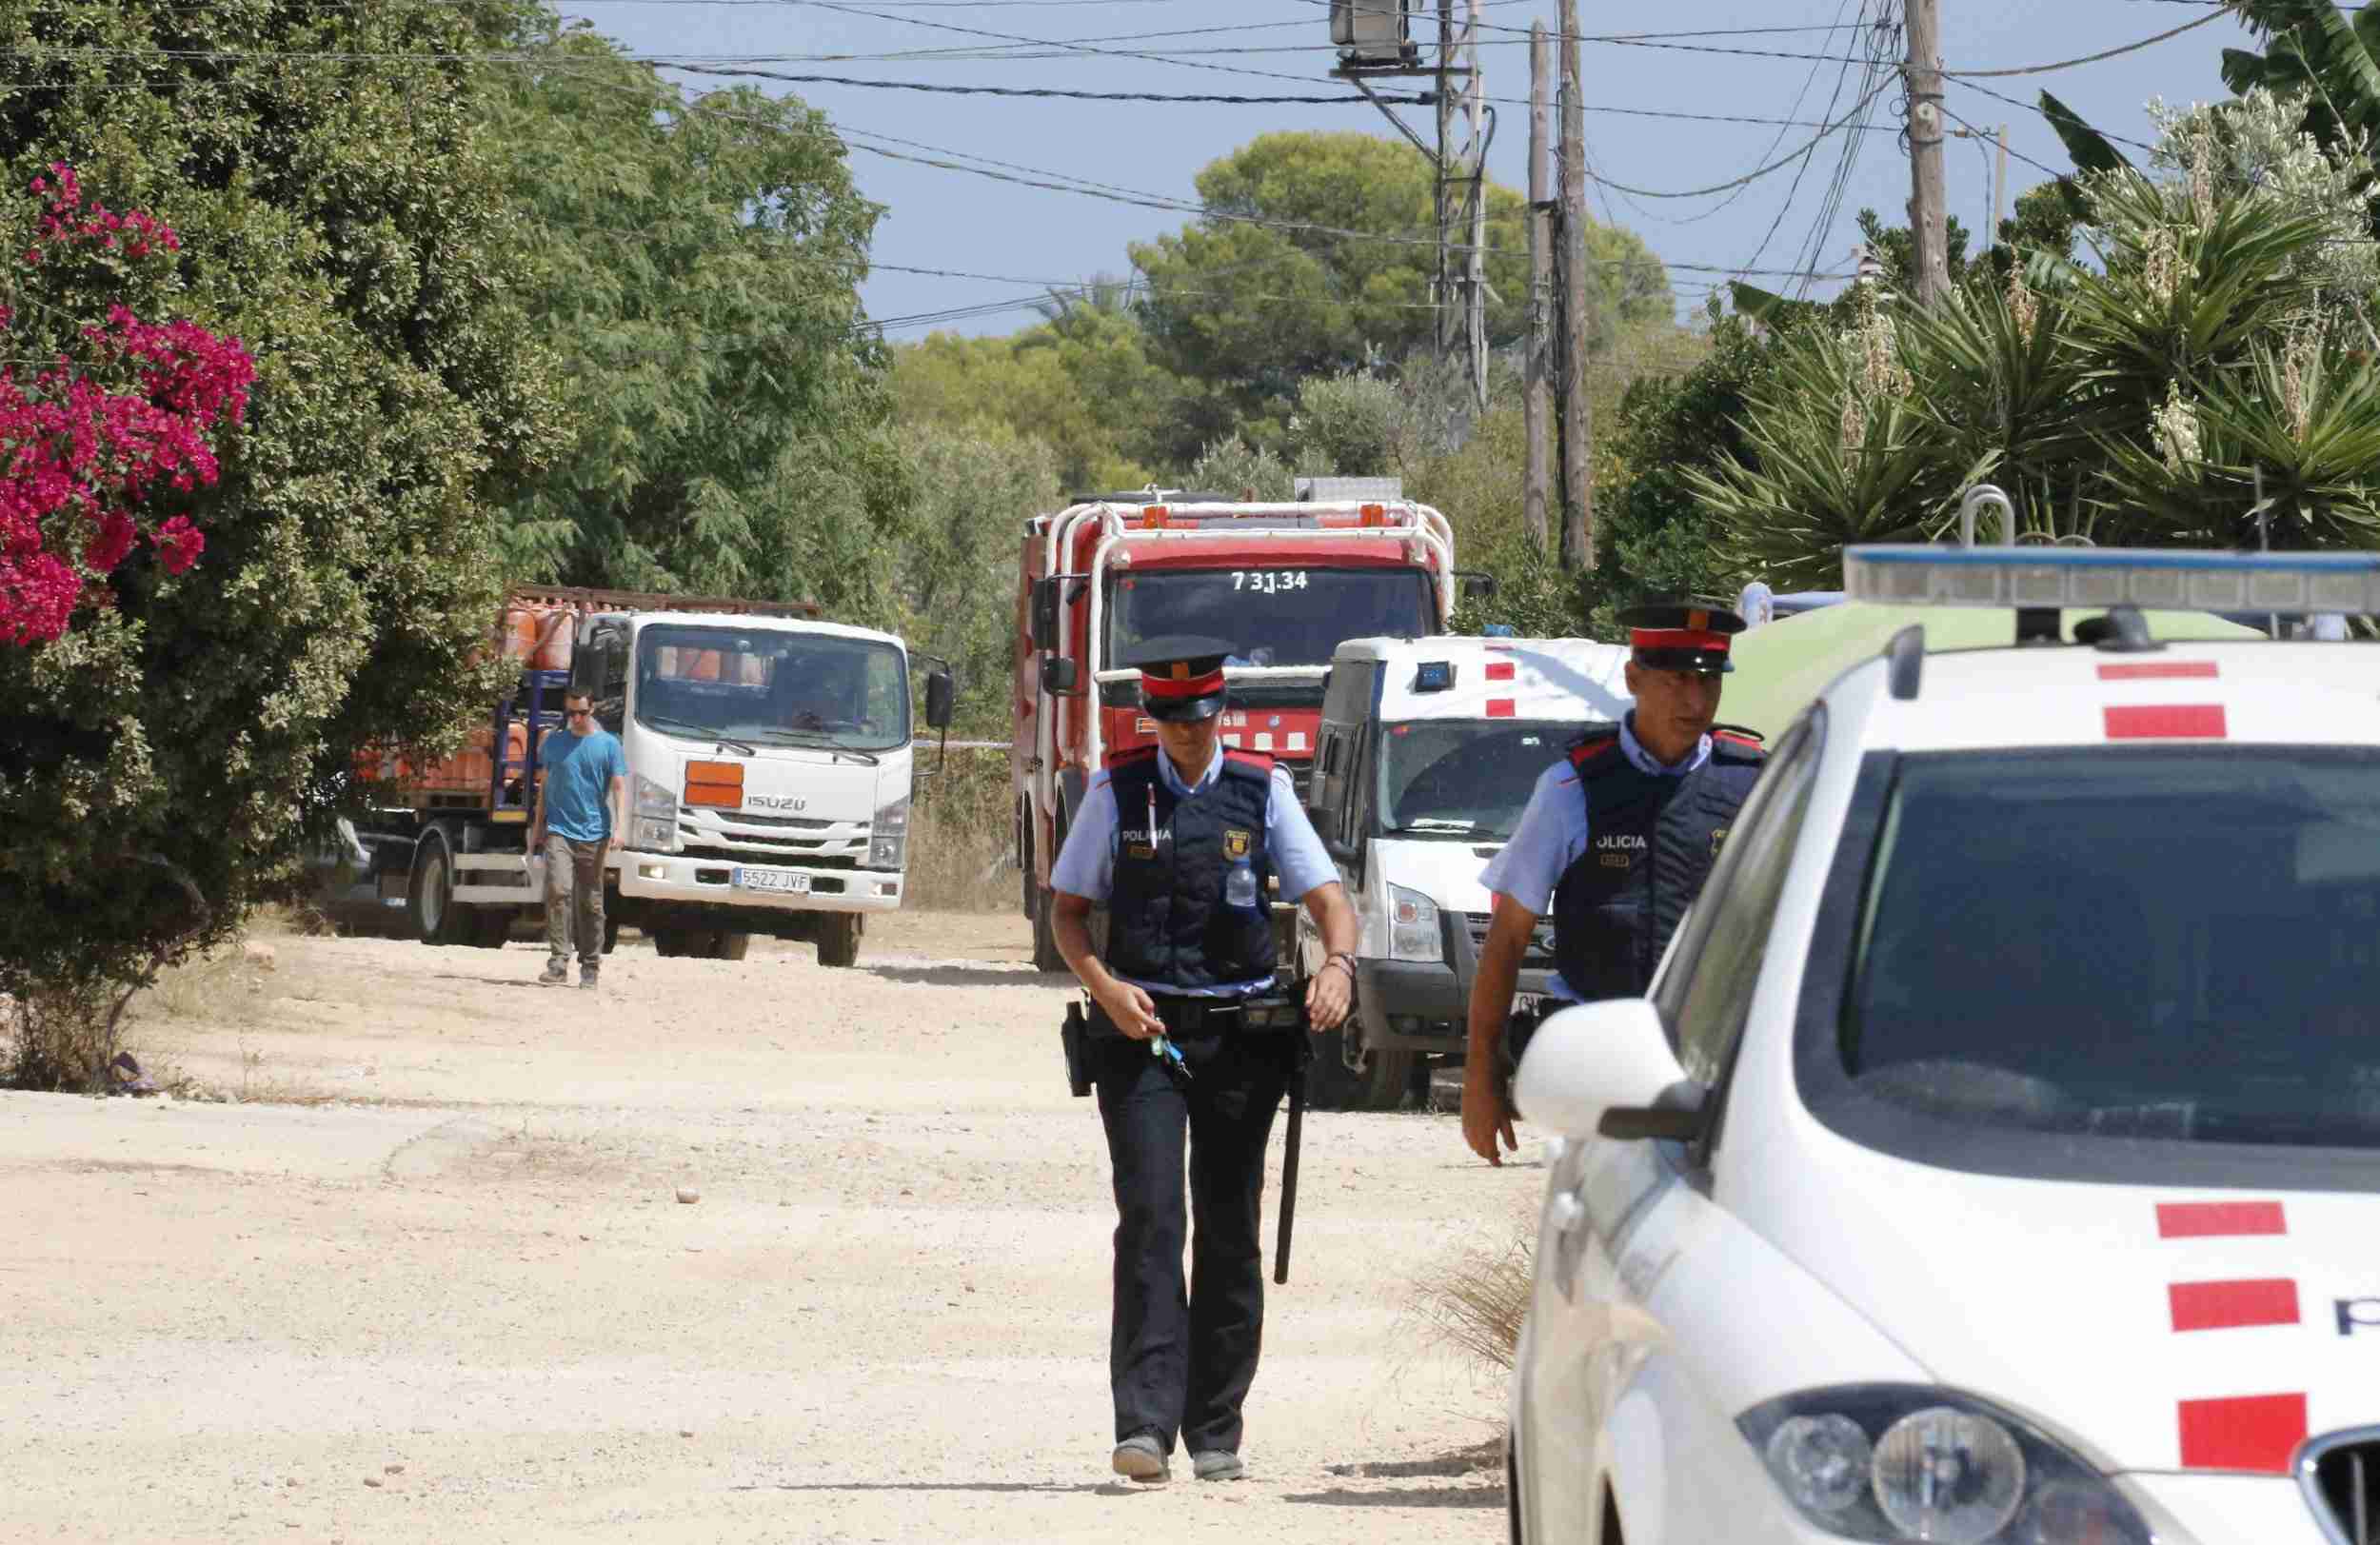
<point x="950" y="220"/>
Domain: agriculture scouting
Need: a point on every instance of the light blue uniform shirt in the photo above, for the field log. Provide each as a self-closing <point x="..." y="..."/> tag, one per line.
<point x="1086" y="865"/>
<point x="1553" y="832"/>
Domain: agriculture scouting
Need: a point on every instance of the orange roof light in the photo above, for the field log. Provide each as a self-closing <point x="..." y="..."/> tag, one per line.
<point x="1375" y="514"/>
<point x="716" y="785"/>
<point x="1152" y="515"/>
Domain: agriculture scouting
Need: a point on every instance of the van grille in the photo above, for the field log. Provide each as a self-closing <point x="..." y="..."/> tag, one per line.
<point x="2340" y="1475"/>
<point x="1538" y="957"/>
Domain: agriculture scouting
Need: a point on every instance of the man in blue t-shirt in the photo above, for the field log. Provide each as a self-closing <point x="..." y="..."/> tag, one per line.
<point x="581" y="807"/>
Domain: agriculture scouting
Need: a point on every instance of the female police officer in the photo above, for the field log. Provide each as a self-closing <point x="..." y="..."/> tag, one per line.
<point x="1660" y="790"/>
<point x="1181" y="844"/>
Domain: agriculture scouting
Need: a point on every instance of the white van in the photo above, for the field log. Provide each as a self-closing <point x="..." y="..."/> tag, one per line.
<point x="1426" y="755"/>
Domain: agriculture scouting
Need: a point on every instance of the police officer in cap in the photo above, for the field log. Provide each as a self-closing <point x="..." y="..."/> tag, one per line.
<point x="1181" y="841"/>
<point x="1617" y="840"/>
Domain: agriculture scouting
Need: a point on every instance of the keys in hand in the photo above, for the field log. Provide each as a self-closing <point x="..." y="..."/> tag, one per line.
<point x="1163" y="1048"/>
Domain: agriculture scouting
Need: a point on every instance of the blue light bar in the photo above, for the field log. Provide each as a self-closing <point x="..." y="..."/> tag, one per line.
<point x="2151" y="579"/>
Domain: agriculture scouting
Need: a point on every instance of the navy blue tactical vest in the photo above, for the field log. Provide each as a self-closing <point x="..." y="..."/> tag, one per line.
<point x="1651" y="841"/>
<point x="1192" y="902"/>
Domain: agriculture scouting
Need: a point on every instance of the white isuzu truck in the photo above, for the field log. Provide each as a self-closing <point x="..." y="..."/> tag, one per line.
<point x="1427" y="751"/>
<point x="770" y="774"/>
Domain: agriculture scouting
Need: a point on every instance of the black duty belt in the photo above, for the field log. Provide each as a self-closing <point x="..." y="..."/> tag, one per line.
<point x="1266" y="1012"/>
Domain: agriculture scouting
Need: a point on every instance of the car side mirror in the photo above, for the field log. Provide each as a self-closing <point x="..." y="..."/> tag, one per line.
<point x="1057" y="674"/>
<point x="941" y="696"/>
<point x="1606" y="1069"/>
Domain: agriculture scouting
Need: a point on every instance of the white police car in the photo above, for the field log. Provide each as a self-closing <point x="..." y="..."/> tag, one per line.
<point x="1997" y="1157"/>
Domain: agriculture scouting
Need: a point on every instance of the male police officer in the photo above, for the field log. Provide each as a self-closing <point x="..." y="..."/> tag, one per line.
<point x="1619" y="836"/>
<point x="1182" y="843"/>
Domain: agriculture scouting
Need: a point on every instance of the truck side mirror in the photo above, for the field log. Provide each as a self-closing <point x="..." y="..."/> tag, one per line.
<point x="1046" y="615"/>
<point x="1057" y="674"/>
<point x="1478" y="585"/>
<point x="941" y="695"/>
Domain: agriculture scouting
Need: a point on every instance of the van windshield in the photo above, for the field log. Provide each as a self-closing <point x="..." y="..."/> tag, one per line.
<point x="2155" y="944"/>
<point x="1463" y="780"/>
<point x="772" y="687"/>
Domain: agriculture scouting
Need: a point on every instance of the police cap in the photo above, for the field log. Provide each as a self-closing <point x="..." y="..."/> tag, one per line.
<point x="1683" y="634"/>
<point x="1181" y="676"/>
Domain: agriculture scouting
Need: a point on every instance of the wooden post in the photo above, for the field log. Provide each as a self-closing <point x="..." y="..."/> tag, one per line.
<point x="1577" y="418"/>
<point x="1929" y="210"/>
<point x="1538" y="392"/>
<point x="1999" y="187"/>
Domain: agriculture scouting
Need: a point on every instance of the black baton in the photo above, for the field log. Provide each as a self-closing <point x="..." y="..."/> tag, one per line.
<point x="1289" y="1154"/>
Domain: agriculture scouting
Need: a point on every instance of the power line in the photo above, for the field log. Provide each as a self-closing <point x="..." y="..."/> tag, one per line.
<point x="2037" y="108"/>
<point x="1752" y="175"/>
<point x="2103" y="54"/>
<point x="1207" y="97"/>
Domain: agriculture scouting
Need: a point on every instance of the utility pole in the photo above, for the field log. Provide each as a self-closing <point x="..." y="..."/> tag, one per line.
<point x="1537" y="366"/>
<point x="1577" y="434"/>
<point x="1999" y="186"/>
<point x="1929" y="212"/>
<point x="1475" y="164"/>
<point x="1442" y="286"/>
<point x="1461" y="290"/>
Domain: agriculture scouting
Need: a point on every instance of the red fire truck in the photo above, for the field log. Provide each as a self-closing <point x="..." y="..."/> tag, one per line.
<point x="1284" y="581"/>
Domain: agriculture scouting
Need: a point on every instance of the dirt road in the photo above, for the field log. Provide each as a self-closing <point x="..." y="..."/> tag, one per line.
<point x="430" y="1280"/>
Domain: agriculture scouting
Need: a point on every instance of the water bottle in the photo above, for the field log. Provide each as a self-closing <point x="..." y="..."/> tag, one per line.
<point x="1240" y="888"/>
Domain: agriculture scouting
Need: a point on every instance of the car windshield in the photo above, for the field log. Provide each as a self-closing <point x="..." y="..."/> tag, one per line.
<point x="2144" y="945"/>
<point x="1286" y="616"/>
<point x="1460" y="778"/>
<point x="772" y="687"/>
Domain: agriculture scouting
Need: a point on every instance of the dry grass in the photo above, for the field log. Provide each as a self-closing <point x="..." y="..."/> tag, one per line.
<point x="963" y="836"/>
<point x="1474" y="1301"/>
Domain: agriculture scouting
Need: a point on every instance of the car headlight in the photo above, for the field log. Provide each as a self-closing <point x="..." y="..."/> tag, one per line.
<point x="1413" y="926"/>
<point x="654" y="798"/>
<point x="1902" y="1462"/>
<point x="888" y="837"/>
<point x="656" y="835"/>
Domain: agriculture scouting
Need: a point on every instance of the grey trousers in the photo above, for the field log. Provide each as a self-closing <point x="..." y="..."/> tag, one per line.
<point x="574" y="899"/>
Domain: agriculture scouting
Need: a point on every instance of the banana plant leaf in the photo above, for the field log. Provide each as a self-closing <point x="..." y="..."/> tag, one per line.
<point x="1781" y="667"/>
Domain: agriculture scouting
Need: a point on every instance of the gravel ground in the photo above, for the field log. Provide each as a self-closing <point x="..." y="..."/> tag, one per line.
<point x="428" y="1275"/>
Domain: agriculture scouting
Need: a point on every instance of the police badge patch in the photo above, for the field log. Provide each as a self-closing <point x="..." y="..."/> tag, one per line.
<point x="1718" y="835"/>
<point x="1236" y="845"/>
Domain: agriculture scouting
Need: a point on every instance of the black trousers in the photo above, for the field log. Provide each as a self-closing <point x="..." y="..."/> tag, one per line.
<point x="1179" y="1361"/>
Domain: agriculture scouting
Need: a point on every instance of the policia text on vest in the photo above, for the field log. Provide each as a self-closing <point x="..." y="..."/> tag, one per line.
<point x="1190" y="1041"/>
<point x="1617" y="842"/>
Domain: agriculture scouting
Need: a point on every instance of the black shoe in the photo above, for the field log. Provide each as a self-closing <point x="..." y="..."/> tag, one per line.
<point x="1139" y="1457"/>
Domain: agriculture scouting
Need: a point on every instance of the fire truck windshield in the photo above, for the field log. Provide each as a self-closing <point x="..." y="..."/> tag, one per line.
<point x="1282" y="616"/>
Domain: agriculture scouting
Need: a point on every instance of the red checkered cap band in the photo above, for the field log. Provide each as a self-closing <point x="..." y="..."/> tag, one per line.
<point x="1678" y="638"/>
<point x="1166" y="689"/>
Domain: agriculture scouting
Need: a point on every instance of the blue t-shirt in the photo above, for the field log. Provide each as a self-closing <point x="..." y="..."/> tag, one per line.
<point x="578" y="770"/>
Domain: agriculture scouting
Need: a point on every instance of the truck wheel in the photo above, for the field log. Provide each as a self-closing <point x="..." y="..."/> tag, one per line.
<point x="839" y="938"/>
<point x="429" y="899"/>
<point x="669" y="944"/>
<point x="1026" y="884"/>
<point x="1380" y="1086"/>
<point x="731" y="947"/>
<point x="1045" y="954"/>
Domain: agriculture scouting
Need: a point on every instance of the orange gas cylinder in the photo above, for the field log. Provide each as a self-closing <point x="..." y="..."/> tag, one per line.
<point x="704" y="667"/>
<point x="518" y="631"/>
<point x="556" y="629"/>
